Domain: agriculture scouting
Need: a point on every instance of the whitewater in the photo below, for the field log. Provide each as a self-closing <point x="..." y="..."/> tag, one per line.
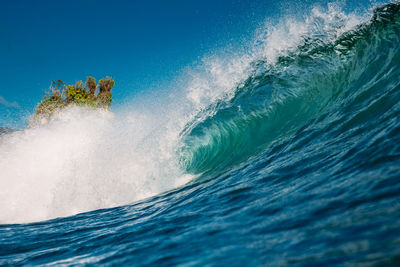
<point x="284" y="152"/>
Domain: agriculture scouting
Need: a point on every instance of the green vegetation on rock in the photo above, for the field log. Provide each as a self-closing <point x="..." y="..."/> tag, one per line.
<point x="80" y="94"/>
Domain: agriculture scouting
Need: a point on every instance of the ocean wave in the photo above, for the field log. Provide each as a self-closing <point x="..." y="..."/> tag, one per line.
<point x="335" y="67"/>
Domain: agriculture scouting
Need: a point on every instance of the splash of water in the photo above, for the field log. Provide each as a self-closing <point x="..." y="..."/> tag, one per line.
<point x="74" y="165"/>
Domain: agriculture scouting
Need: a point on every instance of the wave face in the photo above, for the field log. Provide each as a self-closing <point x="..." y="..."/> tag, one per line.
<point x="292" y="148"/>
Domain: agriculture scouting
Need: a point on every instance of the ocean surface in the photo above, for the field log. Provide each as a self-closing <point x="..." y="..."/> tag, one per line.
<point x="287" y="154"/>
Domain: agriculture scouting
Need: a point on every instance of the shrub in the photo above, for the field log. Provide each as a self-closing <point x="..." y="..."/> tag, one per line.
<point x="62" y="96"/>
<point x="91" y="85"/>
<point x="104" y="98"/>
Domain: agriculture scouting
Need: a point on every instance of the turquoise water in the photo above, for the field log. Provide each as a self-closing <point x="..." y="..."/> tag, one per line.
<point x="299" y="164"/>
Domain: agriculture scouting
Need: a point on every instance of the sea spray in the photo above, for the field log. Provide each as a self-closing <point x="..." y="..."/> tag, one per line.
<point x="221" y="74"/>
<point x="84" y="160"/>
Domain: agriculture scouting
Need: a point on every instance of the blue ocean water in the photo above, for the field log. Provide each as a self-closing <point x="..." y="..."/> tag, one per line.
<point x="298" y="165"/>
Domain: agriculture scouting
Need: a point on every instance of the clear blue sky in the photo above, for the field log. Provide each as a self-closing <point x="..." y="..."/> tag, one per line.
<point x="141" y="44"/>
